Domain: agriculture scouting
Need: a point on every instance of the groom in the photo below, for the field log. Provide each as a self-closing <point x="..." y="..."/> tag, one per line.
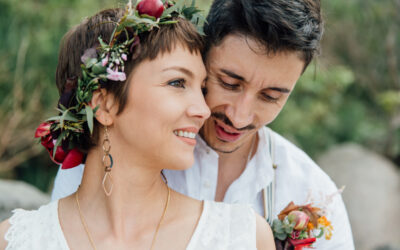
<point x="256" y="51"/>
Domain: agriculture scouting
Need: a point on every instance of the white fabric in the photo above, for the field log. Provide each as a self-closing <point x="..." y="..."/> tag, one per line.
<point x="38" y="229"/>
<point x="221" y="226"/>
<point x="296" y="177"/>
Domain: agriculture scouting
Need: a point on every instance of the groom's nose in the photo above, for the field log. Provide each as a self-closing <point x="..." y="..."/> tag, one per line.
<point x="240" y="112"/>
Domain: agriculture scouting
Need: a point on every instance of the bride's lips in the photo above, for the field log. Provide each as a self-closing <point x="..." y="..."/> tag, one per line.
<point x="188" y="138"/>
<point x="225" y="132"/>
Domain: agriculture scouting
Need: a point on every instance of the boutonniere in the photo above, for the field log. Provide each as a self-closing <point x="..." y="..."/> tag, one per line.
<point x="299" y="226"/>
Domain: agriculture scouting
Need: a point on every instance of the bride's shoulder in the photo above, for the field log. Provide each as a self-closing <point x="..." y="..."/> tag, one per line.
<point x="265" y="238"/>
<point x="24" y="223"/>
<point x="4" y="226"/>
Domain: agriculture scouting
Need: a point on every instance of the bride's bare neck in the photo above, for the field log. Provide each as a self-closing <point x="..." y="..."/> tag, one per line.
<point x="138" y="195"/>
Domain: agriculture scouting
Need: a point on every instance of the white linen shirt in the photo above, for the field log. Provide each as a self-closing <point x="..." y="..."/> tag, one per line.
<point x="298" y="179"/>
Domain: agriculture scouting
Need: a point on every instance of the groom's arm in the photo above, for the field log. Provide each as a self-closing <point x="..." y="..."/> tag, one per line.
<point x="67" y="182"/>
<point x="342" y="236"/>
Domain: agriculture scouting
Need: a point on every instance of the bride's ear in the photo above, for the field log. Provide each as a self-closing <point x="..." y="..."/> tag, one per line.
<point x="106" y="109"/>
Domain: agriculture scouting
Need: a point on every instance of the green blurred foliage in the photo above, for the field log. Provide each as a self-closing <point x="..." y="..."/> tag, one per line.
<point x="352" y="93"/>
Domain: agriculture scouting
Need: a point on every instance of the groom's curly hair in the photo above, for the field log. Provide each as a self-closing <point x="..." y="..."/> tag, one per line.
<point x="278" y="25"/>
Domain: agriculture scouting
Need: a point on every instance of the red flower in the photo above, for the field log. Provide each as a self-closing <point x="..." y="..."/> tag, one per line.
<point x="59" y="156"/>
<point x="73" y="159"/>
<point x="43" y="130"/>
<point x="68" y="159"/>
<point x="295" y="234"/>
<point x="300" y="244"/>
<point x="153" y="8"/>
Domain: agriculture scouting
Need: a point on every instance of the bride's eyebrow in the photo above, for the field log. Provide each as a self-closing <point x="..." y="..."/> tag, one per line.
<point x="180" y="69"/>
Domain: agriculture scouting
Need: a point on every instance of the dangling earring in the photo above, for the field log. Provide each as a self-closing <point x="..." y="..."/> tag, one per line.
<point x="108" y="164"/>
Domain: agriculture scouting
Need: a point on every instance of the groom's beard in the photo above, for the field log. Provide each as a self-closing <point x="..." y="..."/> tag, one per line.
<point x="223" y="118"/>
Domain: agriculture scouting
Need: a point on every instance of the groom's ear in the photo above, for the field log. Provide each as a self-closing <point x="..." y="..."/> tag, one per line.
<point x="107" y="109"/>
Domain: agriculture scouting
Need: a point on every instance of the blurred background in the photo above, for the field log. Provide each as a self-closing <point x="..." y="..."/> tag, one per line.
<point x="344" y="112"/>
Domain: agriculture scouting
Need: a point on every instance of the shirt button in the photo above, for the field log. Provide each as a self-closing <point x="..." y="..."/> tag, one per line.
<point x="207" y="151"/>
<point x="207" y="184"/>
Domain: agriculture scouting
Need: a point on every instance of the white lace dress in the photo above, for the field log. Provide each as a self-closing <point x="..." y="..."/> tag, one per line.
<point x="221" y="226"/>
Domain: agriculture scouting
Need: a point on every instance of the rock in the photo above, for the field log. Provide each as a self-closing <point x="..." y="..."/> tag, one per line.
<point x="17" y="194"/>
<point x="372" y="194"/>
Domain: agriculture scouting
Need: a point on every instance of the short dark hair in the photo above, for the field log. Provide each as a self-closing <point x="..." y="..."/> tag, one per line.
<point x="278" y="25"/>
<point x="85" y="36"/>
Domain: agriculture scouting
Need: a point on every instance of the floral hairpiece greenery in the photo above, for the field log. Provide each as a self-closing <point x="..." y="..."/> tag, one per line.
<point x="60" y="134"/>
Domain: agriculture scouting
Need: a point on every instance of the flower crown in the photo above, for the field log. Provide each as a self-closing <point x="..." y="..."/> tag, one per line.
<point x="61" y="134"/>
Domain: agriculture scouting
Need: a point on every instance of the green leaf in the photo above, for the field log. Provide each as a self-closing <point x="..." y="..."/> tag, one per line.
<point x="149" y="17"/>
<point x="63" y="117"/>
<point x="320" y="233"/>
<point x="98" y="68"/>
<point x="53" y="118"/>
<point x="89" y="114"/>
<point x="188" y="12"/>
<point x="102" y="43"/>
<point x="177" y="5"/>
<point x="288" y="229"/>
<point x="168" y="22"/>
<point x="95" y="110"/>
<point x="58" y="142"/>
<point x="277" y="226"/>
<point x="281" y="236"/>
<point x="90" y="62"/>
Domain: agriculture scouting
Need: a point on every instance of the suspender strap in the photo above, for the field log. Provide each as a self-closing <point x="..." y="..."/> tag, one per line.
<point x="268" y="192"/>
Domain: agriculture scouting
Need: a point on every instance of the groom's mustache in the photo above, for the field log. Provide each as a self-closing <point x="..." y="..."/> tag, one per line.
<point x="222" y="117"/>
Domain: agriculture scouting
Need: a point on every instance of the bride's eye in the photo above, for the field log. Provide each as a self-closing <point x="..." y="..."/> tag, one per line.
<point x="178" y="83"/>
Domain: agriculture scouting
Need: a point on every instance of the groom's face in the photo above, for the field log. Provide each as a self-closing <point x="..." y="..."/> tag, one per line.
<point x="246" y="90"/>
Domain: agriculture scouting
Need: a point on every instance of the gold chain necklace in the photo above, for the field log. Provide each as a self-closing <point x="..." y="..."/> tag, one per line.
<point x="87" y="229"/>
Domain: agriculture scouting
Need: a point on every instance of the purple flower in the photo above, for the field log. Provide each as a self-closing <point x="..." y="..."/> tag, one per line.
<point x="115" y="75"/>
<point x="124" y="57"/>
<point x="104" y="61"/>
<point x="89" y="54"/>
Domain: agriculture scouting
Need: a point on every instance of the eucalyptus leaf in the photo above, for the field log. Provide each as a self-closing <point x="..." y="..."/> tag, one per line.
<point x="53" y="118"/>
<point x="288" y="229"/>
<point x="280" y="236"/>
<point x="58" y="142"/>
<point x="89" y="114"/>
<point x="62" y="118"/>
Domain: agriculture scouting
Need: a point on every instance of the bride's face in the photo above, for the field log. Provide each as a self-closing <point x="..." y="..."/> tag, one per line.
<point x="165" y="110"/>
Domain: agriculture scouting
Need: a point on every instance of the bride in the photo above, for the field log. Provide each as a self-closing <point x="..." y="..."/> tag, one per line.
<point x="144" y="86"/>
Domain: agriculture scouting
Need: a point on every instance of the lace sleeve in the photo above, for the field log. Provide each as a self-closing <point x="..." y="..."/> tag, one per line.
<point x="15" y="235"/>
<point x="35" y="230"/>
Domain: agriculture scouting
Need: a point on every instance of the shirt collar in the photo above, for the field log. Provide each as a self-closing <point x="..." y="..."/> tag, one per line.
<point x="259" y="166"/>
<point x="202" y="148"/>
